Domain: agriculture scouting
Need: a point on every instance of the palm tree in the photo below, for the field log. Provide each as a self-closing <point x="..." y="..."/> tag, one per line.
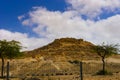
<point x="105" y="51"/>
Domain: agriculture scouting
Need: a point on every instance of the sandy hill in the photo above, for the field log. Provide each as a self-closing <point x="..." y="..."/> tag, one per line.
<point x="65" y="48"/>
<point x="61" y="57"/>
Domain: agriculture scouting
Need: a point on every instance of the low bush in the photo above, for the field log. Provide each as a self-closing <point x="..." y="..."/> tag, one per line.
<point x="101" y="72"/>
<point x="74" y="62"/>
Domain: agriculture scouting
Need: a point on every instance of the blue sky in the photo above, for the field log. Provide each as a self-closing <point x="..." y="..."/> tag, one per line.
<point x="41" y="21"/>
<point x="10" y="10"/>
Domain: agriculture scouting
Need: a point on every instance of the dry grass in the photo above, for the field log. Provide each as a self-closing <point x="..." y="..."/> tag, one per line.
<point x="32" y="67"/>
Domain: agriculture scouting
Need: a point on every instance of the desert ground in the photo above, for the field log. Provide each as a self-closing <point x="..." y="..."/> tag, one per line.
<point x="31" y="68"/>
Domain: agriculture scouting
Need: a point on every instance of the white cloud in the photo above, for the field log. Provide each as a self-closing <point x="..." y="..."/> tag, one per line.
<point x="21" y="17"/>
<point x="108" y="29"/>
<point x="69" y="24"/>
<point x="92" y="8"/>
<point x="55" y="24"/>
<point x="29" y="43"/>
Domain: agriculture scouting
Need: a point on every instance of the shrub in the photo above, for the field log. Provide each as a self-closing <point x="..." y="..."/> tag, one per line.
<point x="101" y="72"/>
<point x="74" y="62"/>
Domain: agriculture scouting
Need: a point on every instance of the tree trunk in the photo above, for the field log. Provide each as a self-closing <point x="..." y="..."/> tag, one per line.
<point x="2" y="68"/>
<point x="8" y="66"/>
<point x="103" y="60"/>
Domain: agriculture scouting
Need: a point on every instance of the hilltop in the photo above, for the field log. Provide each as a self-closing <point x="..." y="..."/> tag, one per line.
<point x="65" y="48"/>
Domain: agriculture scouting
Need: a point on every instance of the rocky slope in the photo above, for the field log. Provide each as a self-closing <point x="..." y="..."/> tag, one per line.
<point x="65" y="49"/>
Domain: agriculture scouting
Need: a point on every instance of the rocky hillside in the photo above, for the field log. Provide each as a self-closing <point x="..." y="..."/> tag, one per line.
<point x="65" y="48"/>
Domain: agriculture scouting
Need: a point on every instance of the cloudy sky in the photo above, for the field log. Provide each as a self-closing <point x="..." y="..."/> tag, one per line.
<point x="38" y="22"/>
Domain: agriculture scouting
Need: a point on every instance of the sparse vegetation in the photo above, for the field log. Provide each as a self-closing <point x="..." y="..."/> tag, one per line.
<point x="105" y="51"/>
<point x="74" y="62"/>
<point x="8" y="49"/>
<point x="105" y="72"/>
<point x="60" y="60"/>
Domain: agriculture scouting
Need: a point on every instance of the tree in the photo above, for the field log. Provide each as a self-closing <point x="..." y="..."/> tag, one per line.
<point x="105" y="51"/>
<point x="9" y="50"/>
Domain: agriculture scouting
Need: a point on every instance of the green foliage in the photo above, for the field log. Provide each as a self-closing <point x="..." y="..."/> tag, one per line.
<point x="10" y="49"/>
<point x="106" y="50"/>
<point x="101" y="72"/>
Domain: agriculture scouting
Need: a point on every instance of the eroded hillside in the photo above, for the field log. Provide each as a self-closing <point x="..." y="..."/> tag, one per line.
<point x="65" y="49"/>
